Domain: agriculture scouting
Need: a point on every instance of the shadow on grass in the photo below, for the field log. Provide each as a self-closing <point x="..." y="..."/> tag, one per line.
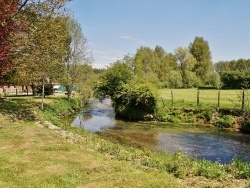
<point x="18" y="108"/>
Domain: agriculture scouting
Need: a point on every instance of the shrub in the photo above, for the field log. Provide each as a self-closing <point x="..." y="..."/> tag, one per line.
<point x="135" y="102"/>
<point x="174" y="119"/>
<point x="48" y="89"/>
<point x="226" y="121"/>
<point x="246" y="125"/>
<point x="161" y="114"/>
<point x="207" y="115"/>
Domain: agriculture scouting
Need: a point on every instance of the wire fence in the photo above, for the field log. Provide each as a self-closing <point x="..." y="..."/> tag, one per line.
<point x="238" y="99"/>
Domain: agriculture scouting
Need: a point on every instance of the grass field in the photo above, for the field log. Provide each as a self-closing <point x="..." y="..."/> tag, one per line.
<point x="33" y="154"/>
<point x="184" y="97"/>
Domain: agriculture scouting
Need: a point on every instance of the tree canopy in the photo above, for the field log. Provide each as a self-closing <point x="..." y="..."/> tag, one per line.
<point x="201" y="52"/>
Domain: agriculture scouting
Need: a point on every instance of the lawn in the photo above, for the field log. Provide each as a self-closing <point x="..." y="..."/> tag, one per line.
<point x="33" y="156"/>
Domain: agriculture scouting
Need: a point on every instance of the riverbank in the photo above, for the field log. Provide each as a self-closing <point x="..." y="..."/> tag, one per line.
<point x="35" y="153"/>
<point x="222" y="108"/>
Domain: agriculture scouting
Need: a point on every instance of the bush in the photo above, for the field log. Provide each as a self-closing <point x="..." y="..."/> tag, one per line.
<point x="161" y="114"/>
<point x="174" y="119"/>
<point x="207" y="115"/>
<point x="227" y="121"/>
<point x="135" y="102"/>
<point x="246" y="125"/>
<point x="48" y="89"/>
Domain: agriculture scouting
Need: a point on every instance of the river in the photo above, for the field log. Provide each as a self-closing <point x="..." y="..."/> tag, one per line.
<point x="202" y="142"/>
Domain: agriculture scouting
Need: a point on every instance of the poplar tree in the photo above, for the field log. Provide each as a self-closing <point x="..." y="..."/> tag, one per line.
<point x="79" y="57"/>
<point x="201" y="52"/>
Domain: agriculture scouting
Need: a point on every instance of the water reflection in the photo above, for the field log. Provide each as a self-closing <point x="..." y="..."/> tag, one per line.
<point x="97" y="116"/>
<point x="196" y="141"/>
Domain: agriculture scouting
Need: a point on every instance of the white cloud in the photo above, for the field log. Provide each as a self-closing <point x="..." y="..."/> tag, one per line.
<point x="126" y="37"/>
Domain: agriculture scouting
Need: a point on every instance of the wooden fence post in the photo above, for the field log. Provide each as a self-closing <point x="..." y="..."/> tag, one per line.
<point x="218" y="99"/>
<point x="163" y="102"/>
<point x="243" y="100"/>
<point x="198" y="97"/>
<point x="172" y="98"/>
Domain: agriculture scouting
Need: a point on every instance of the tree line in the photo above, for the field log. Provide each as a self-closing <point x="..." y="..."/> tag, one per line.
<point x="41" y="42"/>
<point x="132" y="82"/>
<point x="187" y="67"/>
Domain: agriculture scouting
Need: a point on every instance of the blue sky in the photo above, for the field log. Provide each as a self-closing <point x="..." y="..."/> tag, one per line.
<point x="115" y="28"/>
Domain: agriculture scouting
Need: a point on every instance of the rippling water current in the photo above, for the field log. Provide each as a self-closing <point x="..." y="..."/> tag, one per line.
<point x="202" y="142"/>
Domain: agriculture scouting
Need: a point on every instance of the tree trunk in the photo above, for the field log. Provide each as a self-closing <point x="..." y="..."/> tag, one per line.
<point x="42" y="95"/>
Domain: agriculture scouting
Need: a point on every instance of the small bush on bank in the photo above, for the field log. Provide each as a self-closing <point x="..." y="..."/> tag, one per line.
<point x="246" y="125"/>
<point x="227" y="121"/>
<point x="174" y="119"/>
<point x="207" y="115"/>
<point x="135" y="102"/>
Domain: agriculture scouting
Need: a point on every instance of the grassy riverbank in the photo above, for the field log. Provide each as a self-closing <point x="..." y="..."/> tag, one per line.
<point x="222" y="108"/>
<point x="36" y="153"/>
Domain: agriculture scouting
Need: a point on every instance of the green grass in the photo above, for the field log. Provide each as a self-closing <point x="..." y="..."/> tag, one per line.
<point x="188" y="97"/>
<point x="32" y="155"/>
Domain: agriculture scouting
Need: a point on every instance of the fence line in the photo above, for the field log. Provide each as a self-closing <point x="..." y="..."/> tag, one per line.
<point x="220" y="98"/>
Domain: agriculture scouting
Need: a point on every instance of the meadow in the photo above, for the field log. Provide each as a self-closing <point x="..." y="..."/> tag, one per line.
<point x="207" y="98"/>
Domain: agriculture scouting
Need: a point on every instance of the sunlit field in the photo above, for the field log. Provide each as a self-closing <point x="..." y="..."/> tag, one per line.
<point x="213" y="98"/>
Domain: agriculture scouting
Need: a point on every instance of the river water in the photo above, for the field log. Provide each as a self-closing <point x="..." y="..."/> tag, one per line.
<point x="202" y="142"/>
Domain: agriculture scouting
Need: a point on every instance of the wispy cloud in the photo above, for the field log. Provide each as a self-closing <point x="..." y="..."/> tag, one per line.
<point x="127" y="37"/>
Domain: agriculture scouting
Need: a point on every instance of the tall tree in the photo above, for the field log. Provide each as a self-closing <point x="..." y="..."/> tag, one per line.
<point x="201" y="52"/>
<point x="145" y="65"/>
<point x="167" y="64"/>
<point x="41" y="53"/>
<point x="113" y="79"/>
<point x="187" y="64"/>
<point x="9" y="26"/>
<point x="79" y="56"/>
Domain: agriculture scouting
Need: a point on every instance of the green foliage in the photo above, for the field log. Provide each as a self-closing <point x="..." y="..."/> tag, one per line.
<point x="214" y="80"/>
<point x="174" y="79"/>
<point x="201" y="52"/>
<point x="235" y="80"/>
<point x="161" y="114"/>
<point x="206" y="114"/>
<point x="135" y="101"/>
<point x="112" y="80"/>
<point x="61" y="107"/>
<point x="210" y="169"/>
<point x="240" y="65"/>
<point x="227" y="121"/>
<point x="77" y="69"/>
<point x="174" y="119"/>
<point x="187" y="64"/>
<point x="48" y="89"/>
<point x="144" y="63"/>
<point x="239" y="168"/>
<point x="246" y="125"/>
